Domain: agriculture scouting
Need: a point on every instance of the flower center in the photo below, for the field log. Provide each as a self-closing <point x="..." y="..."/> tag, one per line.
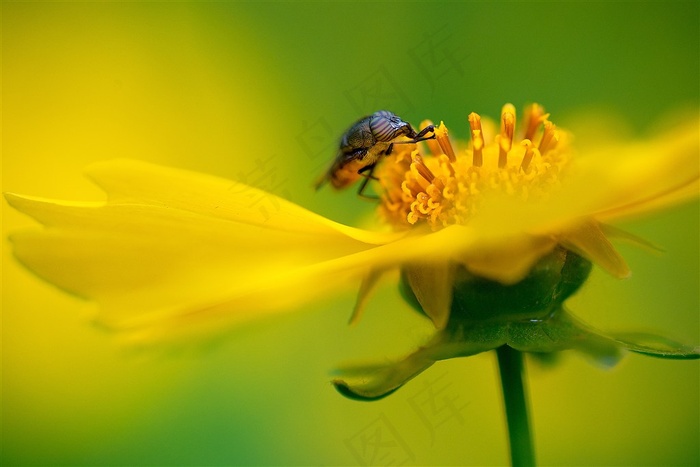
<point x="446" y="188"/>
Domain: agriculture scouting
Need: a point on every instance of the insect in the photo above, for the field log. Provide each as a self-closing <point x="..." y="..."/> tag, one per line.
<point x="363" y="145"/>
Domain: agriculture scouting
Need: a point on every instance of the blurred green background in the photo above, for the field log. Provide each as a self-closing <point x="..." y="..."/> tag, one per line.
<point x="260" y="92"/>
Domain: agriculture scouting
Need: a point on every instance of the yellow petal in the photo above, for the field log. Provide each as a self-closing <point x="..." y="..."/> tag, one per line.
<point x="432" y="285"/>
<point x="369" y="283"/>
<point x="144" y="263"/>
<point x="634" y="179"/>
<point x="590" y="241"/>
<point x="174" y="251"/>
<point x="645" y="176"/>
<point x="506" y="260"/>
<point x="135" y="182"/>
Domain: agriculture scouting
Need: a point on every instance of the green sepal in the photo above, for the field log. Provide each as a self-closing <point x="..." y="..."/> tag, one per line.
<point x="557" y="332"/>
<point x="656" y="346"/>
<point x="528" y="316"/>
<point x="553" y="279"/>
<point x="376" y="381"/>
<point x="408" y="295"/>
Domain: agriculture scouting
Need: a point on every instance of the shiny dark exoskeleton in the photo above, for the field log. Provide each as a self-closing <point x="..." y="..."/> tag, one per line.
<point x="364" y="143"/>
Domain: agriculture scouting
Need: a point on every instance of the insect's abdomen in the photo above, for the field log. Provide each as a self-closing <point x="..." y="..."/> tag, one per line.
<point x="347" y="174"/>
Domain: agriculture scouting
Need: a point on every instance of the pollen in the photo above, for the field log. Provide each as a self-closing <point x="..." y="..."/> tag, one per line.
<point x="443" y="184"/>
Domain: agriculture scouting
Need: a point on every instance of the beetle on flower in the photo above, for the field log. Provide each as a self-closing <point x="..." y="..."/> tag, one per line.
<point x="363" y="145"/>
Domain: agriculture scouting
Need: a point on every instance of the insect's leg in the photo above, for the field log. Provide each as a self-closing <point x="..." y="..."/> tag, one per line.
<point x="388" y="150"/>
<point x="367" y="177"/>
<point x="370" y="169"/>
<point x="421" y="139"/>
<point x="415" y="140"/>
<point x="427" y="129"/>
<point x="420" y="136"/>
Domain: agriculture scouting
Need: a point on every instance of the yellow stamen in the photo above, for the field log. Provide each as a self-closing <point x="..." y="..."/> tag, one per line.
<point x="477" y="139"/>
<point x="423" y="170"/>
<point x="448" y="189"/>
<point x="505" y="139"/>
<point x="550" y="138"/>
<point x="443" y="140"/>
<point x="445" y="162"/>
<point x="529" y="154"/>
<point x="534" y="116"/>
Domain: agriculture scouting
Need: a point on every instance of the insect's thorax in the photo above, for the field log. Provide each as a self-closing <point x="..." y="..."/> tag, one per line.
<point x="375" y="152"/>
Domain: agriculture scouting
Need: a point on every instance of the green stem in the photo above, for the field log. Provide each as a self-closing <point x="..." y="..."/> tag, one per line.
<point x="510" y="365"/>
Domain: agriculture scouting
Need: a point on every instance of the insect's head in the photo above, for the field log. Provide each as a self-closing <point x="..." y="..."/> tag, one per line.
<point x="399" y="127"/>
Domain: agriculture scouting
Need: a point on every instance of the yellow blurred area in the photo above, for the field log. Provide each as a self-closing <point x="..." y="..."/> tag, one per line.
<point x="96" y="81"/>
<point x="260" y="93"/>
<point x="85" y="83"/>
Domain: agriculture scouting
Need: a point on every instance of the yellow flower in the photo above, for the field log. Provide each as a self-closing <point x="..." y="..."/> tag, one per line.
<point x="514" y="194"/>
<point x="173" y="253"/>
